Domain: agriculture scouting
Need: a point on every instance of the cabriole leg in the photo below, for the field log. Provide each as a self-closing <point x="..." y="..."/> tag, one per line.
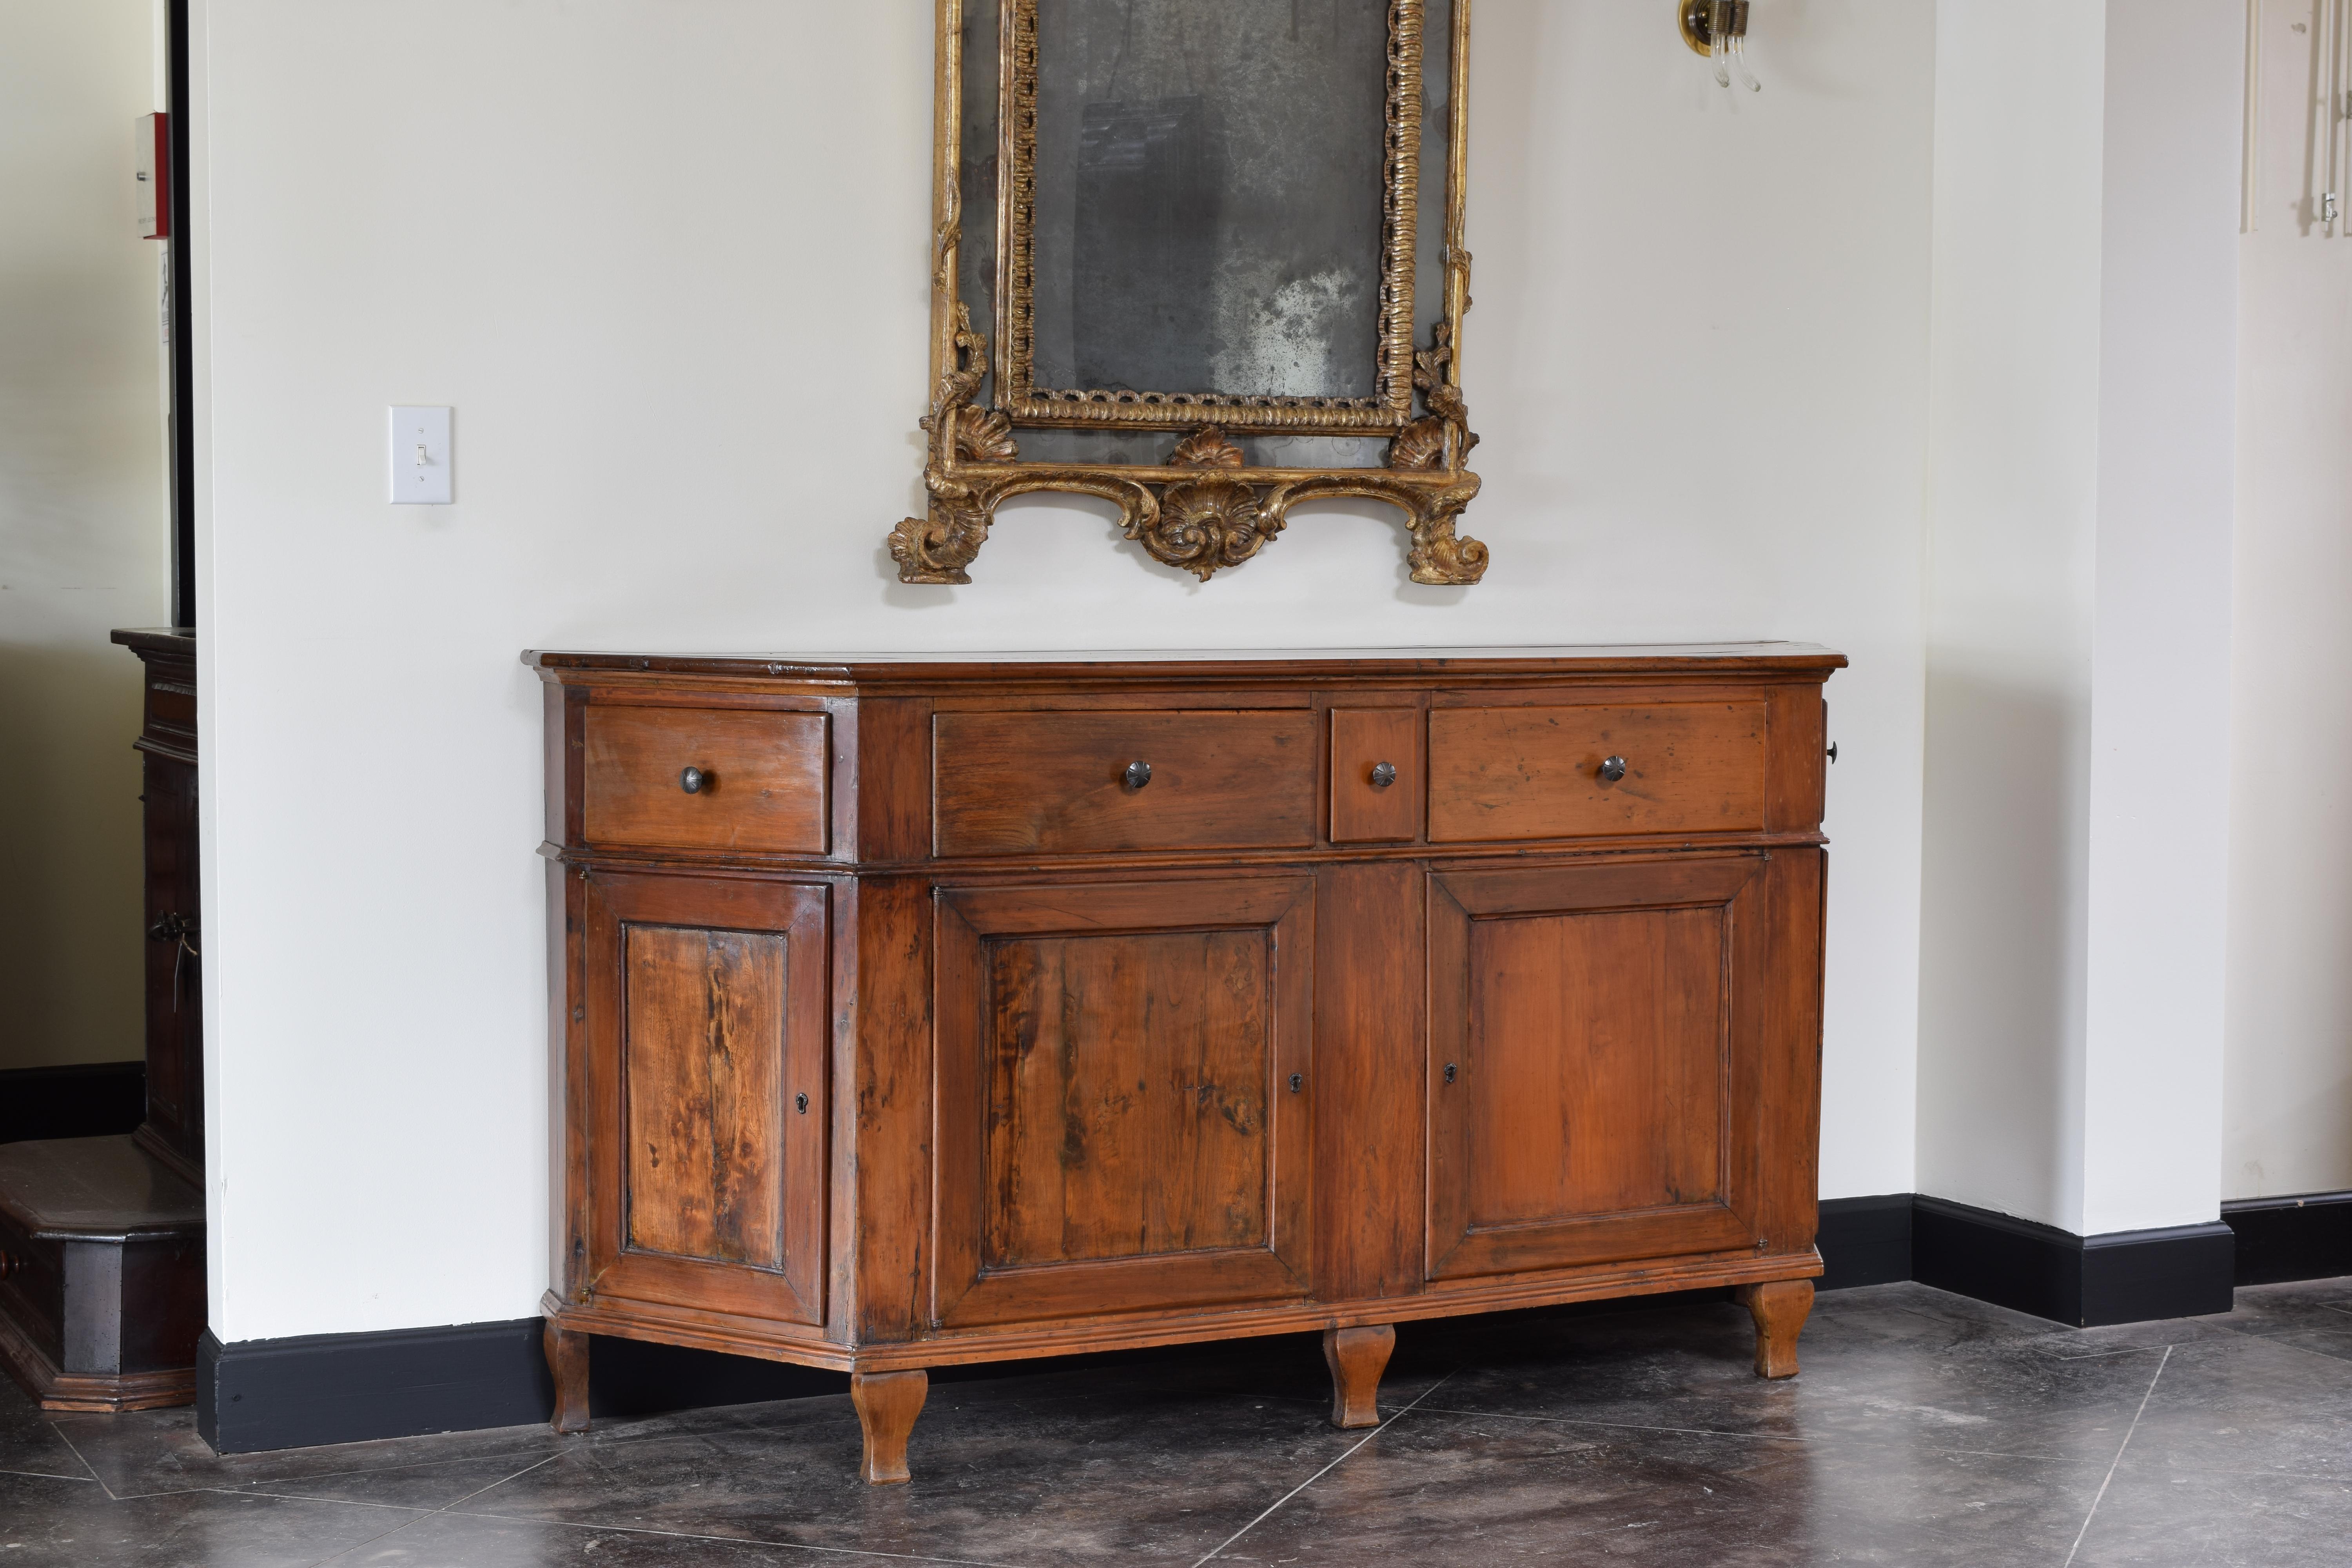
<point x="1780" y="1309"/>
<point x="1357" y="1358"/>
<point x="887" y="1404"/>
<point x="567" y="1359"/>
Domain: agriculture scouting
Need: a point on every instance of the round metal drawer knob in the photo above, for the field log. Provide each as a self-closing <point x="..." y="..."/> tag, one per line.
<point x="1138" y="774"/>
<point x="1613" y="768"/>
<point x="1384" y="774"/>
<point x="694" y="780"/>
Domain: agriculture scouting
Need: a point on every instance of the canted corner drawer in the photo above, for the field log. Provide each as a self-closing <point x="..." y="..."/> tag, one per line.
<point x="1540" y="772"/>
<point x="1010" y="783"/>
<point x="761" y="785"/>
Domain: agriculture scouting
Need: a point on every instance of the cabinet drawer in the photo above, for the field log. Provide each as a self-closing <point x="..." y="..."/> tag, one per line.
<point x="1008" y="784"/>
<point x="762" y="783"/>
<point x="1538" y="773"/>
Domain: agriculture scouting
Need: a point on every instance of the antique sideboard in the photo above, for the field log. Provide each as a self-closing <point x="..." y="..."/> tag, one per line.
<point x="909" y="1011"/>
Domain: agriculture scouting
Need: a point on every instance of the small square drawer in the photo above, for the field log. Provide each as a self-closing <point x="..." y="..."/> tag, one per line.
<point x="1504" y="773"/>
<point x="1375" y="775"/>
<point x="1079" y="782"/>
<point x="695" y="778"/>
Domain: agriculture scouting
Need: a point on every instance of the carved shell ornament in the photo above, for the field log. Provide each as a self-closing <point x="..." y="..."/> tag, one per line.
<point x="1204" y="508"/>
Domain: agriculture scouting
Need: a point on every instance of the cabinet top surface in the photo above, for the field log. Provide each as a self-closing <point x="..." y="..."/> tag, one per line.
<point x="180" y="641"/>
<point x="1789" y="657"/>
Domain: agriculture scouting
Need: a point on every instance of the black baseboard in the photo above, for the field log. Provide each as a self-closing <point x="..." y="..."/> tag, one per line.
<point x="343" y="1388"/>
<point x="2279" y="1239"/>
<point x="259" y="1394"/>
<point x="92" y="1099"/>
<point x="1864" y="1241"/>
<point x="2127" y="1277"/>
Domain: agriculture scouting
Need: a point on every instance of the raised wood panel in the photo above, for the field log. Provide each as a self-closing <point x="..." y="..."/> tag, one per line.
<point x="1117" y="1127"/>
<point x="1527" y="772"/>
<point x="1363" y="809"/>
<point x="1126" y="1098"/>
<point x="705" y="1021"/>
<point x="1006" y="784"/>
<point x="1592" y="1019"/>
<point x="703" y="1049"/>
<point x="765" y="779"/>
<point x="1595" y="1080"/>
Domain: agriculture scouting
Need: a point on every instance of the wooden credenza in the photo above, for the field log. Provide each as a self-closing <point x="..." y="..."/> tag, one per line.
<point x="910" y="1012"/>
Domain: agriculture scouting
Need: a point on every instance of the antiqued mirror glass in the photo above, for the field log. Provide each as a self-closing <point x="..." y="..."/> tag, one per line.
<point x="1208" y="209"/>
<point x="1179" y="236"/>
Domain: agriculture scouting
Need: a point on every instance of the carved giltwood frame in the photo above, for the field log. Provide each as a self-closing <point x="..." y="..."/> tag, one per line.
<point x="1205" y="508"/>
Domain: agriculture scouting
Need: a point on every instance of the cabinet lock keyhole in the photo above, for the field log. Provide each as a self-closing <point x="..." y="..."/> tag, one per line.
<point x="1449" y="1072"/>
<point x="800" y="1103"/>
<point x="1298" y="1081"/>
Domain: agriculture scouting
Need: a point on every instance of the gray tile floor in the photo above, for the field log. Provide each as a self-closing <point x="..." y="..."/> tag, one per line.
<point x="1926" y="1429"/>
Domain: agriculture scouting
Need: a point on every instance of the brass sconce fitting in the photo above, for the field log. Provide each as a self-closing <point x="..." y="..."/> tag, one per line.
<point x="1718" y="29"/>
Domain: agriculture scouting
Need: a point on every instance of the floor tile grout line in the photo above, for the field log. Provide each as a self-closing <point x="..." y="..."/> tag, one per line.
<point x="2118" y="1461"/>
<point x="110" y="1495"/>
<point x="1699" y="1431"/>
<point x="435" y="1513"/>
<point x="1319" y="1474"/>
<point x="2283" y="1344"/>
<point x="47" y="1476"/>
<point x="1613" y="1425"/>
<point x="290" y="1497"/>
<point x="729" y="1540"/>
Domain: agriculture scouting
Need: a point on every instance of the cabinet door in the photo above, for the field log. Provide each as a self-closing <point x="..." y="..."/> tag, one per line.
<point x="1596" y="1063"/>
<point x="1118" y="1127"/>
<point x="706" y="1029"/>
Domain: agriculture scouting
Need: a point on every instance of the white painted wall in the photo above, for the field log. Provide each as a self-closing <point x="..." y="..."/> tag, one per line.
<point x="84" y="533"/>
<point x="2160" y="729"/>
<point x="667" y="261"/>
<point x="2083" y="428"/>
<point x="2013" y="500"/>
<point x="2287" y="1092"/>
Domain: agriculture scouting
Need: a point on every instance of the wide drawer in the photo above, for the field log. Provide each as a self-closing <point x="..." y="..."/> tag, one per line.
<point x="759" y="778"/>
<point x="1518" y="772"/>
<point x="1010" y="783"/>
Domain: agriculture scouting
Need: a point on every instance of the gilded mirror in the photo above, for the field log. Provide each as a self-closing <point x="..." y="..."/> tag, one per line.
<point x="1202" y="258"/>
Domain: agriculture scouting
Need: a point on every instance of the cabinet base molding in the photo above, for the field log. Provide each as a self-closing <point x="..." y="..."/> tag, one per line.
<point x="769" y="1341"/>
<point x="53" y="1388"/>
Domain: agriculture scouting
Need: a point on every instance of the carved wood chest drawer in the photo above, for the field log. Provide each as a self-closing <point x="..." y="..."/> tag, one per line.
<point x="911" y="1012"/>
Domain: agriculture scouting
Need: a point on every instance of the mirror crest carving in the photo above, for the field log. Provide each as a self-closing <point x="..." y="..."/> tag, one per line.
<point x="1146" y="269"/>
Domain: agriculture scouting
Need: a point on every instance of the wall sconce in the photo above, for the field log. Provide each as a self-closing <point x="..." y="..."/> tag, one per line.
<point x="1718" y="29"/>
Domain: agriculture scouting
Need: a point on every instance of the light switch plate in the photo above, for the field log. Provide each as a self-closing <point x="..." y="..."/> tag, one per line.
<point x="421" y="473"/>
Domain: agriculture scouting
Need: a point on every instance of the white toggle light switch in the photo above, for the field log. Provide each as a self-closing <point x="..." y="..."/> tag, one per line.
<point x="421" y="471"/>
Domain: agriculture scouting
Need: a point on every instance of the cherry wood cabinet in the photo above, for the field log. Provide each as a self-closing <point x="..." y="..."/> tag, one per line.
<point x="911" y="1012"/>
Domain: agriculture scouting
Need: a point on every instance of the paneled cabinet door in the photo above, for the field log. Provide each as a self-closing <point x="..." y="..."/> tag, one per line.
<point x="1124" y="1072"/>
<point x="1597" y="1055"/>
<point x="706" y="1041"/>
